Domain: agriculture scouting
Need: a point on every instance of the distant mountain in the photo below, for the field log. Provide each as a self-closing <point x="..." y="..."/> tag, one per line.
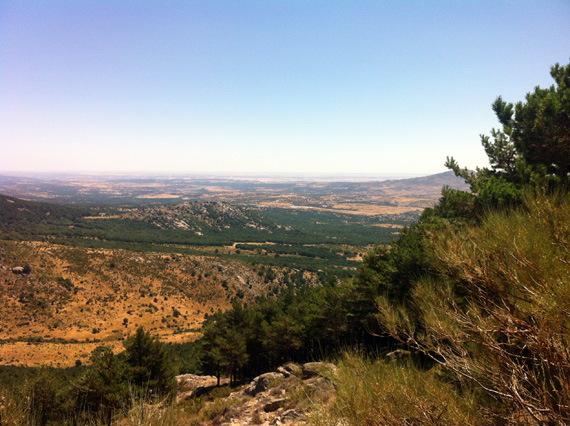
<point x="437" y="180"/>
<point x="109" y="190"/>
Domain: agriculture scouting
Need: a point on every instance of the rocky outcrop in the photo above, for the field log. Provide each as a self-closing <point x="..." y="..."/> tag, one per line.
<point x="290" y="370"/>
<point x="200" y="216"/>
<point x="190" y="385"/>
<point x="263" y="383"/>
<point x="275" y="398"/>
<point x="274" y="405"/>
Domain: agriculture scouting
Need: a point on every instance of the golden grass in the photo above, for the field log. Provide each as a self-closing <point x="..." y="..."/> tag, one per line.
<point x="377" y="393"/>
<point x="114" y="292"/>
<point x="53" y="354"/>
<point x="496" y="315"/>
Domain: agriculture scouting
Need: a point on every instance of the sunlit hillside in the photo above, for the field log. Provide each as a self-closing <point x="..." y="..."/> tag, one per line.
<point x="74" y="299"/>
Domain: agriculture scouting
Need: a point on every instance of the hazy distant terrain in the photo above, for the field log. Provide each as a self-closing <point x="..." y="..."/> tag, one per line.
<point x="356" y="196"/>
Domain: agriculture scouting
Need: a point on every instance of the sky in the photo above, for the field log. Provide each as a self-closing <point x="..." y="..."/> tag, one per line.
<point x="335" y="87"/>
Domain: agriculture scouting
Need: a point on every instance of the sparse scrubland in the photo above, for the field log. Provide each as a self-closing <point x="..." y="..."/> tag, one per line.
<point x="463" y="320"/>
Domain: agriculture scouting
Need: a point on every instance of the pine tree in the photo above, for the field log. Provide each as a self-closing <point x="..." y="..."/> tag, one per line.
<point x="150" y="366"/>
<point x="531" y="147"/>
<point x="104" y="388"/>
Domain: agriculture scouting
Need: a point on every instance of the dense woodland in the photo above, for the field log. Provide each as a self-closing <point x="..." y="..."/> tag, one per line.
<point x="304" y="240"/>
<point x="476" y="292"/>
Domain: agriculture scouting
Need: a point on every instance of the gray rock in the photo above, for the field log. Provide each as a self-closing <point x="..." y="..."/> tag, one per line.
<point x="290" y="415"/>
<point x="190" y="385"/>
<point x="263" y="382"/>
<point x="290" y="370"/>
<point x="323" y="369"/>
<point x="320" y="385"/>
<point x="274" y="405"/>
<point x="202" y="390"/>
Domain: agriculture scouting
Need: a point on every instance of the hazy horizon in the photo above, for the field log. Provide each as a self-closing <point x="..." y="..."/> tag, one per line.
<point x="284" y="176"/>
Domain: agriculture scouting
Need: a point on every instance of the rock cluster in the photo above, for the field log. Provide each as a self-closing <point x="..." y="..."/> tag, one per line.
<point x="275" y="398"/>
<point x="190" y="385"/>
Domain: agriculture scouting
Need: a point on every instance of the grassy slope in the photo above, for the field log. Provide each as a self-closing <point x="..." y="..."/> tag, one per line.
<point x="85" y="295"/>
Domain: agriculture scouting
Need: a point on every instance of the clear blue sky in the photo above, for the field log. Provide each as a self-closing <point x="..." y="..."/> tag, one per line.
<point x="265" y="86"/>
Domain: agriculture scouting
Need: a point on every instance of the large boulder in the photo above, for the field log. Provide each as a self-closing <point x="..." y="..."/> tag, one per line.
<point x="263" y="382"/>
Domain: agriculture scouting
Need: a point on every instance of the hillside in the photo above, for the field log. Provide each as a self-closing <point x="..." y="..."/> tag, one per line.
<point x="17" y="212"/>
<point x="199" y="216"/>
<point x="311" y="240"/>
<point x="76" y="297"/>
<point x="195" y="216"/>
<point x="438" y="180"/>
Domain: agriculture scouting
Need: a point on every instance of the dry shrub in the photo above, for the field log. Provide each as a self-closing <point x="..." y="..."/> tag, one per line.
<point x="305" y="396"/>
<point x="498" y="314"/>
<point x="218" y="408"/>
<point x="256" y="418"/>
<point x="379" y="393"/>
<point x="13" y="413"/>
<point x="143" y="414"/>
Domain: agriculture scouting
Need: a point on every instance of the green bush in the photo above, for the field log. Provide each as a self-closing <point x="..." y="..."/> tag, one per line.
<point x="496" y="313"/>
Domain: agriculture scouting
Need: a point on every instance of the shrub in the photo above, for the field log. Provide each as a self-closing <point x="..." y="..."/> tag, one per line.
<point x="372" y="393"/>
<point x="12" y="412"/>
<point x="496" y="314"/>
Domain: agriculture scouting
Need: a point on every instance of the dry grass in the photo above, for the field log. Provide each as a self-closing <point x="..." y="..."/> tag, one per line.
<point x="355" y="209"/>
<point x="138" y="413"/>
<point x="82" y="297"/>
<point x="142" y="414"/>
<point x="54" y="354"/>
<point x="378" y="393"/>
<point x="498" y="315"/>
<point x="12" y="413"/>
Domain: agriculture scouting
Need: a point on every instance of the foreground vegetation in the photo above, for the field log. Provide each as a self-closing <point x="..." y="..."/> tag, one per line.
<point x="472" y="303"/>
<point x="487" y="322"/>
